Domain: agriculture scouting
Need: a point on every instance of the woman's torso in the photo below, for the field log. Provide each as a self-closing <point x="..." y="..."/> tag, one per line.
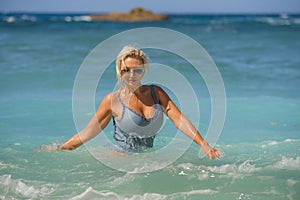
<point x="137" y="119"/>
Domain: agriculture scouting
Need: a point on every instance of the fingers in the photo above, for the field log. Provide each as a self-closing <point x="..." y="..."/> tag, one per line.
<point x="53" y="146"/>
<point x="213" y="153"/>
<point x="217" y="153"/>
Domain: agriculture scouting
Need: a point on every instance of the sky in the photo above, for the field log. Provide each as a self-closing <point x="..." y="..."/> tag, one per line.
<point x="161" y="6"/>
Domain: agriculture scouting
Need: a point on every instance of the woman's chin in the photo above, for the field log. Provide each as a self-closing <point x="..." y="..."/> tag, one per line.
<point x="133" y="83"/>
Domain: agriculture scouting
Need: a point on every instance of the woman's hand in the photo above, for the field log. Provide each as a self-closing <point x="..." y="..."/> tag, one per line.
<point x="212" y="153"/>
<point x="50" y="147"/>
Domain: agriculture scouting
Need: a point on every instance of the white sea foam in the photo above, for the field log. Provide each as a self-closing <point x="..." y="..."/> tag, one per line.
<point x="284" y="16"/>
<point x="297" y="21"/>
<point x="82" y="18"/>
<point x="287" y="163"/>
<point x="10" y="19"/>
<point x="78" y="19"/>
<point x="19" y="188"/>
<point x="291" y="140"/>
<point x="128" y="177"/>
<point x="269" y="143"/>
<point x="203" y="172"/>
<point x="193" y="192"/>
<point x="244" y="168"/>
<point x="291" y="182"/>
<point x="273" y="142"/>
<point x="274" y="21"/>
<point x="28" y="18"/>
<point x="68" y="19"/>
<point x="91" y="193"/>
<point x="6" y="166"/>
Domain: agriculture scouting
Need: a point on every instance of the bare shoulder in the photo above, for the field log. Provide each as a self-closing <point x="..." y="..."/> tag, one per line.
<point x="161" y="95"/>
<point x="111" y="100"/>
<point x="108" y="99"/>
<point x="160" y="91"/>
<point x="109" y="96"/>
<point x="112" y="97"/>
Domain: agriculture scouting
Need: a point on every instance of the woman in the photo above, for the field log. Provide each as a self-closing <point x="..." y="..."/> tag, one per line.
<point x="137" y="110"/>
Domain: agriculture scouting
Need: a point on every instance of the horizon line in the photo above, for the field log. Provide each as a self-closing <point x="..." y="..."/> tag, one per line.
<point x="167" y="13"/>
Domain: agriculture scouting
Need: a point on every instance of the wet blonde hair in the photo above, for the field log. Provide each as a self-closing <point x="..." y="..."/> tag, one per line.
<point x="129" y="51"/>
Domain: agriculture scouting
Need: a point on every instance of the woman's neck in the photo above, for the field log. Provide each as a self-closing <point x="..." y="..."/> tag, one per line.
<point x="129" y="90"/>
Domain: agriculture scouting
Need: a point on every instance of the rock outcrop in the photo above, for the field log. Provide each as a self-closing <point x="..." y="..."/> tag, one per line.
<point x="135" y="15"/>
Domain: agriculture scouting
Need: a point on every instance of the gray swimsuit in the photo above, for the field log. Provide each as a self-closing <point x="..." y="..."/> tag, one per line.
<point x="135" y="132"/>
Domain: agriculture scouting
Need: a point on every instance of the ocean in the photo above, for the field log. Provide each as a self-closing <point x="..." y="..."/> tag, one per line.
<point x="256" y="56"/>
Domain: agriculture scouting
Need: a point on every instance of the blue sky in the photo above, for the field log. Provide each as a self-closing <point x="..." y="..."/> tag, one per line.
<point x="163" y="6"/>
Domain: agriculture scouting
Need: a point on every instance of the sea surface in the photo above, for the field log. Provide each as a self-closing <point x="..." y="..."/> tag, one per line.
<point x="258" y="57"/>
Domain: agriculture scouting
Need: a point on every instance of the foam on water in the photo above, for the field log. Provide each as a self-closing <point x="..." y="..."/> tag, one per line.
<point x="91" y="193"/>
<point x="6" y="166"/>
<point x="274" y="142"/>
<point x="11" y="188"/>
<point x="257" y="57"/>
<point x="287" y="163"/>
<point x="215" y="179"/>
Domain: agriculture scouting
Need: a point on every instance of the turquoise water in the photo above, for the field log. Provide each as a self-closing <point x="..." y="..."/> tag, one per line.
<point x="258" y="58"/>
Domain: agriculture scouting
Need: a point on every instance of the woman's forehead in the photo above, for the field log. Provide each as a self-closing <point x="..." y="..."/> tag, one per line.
<point x="131" y="61"/>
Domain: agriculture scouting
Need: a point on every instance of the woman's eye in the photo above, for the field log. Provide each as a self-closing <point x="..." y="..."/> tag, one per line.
<point x="125" y="70"/>
<point x="138" y="71"/>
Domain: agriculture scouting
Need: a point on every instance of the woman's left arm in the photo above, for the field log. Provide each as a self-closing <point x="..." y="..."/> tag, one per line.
<point x="183" y="124"/>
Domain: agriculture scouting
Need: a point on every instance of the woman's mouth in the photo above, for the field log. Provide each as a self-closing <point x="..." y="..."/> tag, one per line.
<point x="132" y="80"/>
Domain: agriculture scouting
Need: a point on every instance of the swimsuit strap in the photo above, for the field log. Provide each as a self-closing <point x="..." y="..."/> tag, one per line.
<point x="120" y="100"/>
<point x="153" y="94"/>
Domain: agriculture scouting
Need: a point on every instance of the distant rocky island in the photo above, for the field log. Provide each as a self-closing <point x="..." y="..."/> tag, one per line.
<point x="137" y="14"/>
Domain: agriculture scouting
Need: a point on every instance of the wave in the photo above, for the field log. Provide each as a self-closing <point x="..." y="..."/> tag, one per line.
<point x="247" y="167"/>
<point x="231" y="173"/>
<point x="283" y="20"/>
<point x="287" y="163"/>
<point x="274" y="142"/>
<point x="219" y="21"/>
<point x="91" y="193"/>
<point x="16" y="188"/>
<point x="12" y="19"/>
<point x="7" y="166"/>
<point x="214" y="21"/>
<point x="78" y="19"/>
<point x="202" y="172"/>
<point x="44" y="18"/>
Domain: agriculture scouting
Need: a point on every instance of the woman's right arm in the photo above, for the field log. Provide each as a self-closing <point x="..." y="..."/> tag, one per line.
<point x="184" y="124"/>
<point x="98" y="122"/>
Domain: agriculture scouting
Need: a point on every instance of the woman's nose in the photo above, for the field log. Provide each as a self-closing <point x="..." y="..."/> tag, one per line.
<point x="131" y="73"/>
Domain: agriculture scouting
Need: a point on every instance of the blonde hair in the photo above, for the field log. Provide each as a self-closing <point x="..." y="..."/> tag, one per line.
<point x="129" y="51"/>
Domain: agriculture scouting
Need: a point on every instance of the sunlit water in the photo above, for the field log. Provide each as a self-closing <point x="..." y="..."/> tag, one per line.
<point x="258" y="58"/>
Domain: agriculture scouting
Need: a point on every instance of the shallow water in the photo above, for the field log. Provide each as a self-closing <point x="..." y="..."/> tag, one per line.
<point x="257" y="57"/>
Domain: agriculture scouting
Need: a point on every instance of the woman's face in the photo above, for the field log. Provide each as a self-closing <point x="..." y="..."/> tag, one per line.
<point x="132" y="71"/>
